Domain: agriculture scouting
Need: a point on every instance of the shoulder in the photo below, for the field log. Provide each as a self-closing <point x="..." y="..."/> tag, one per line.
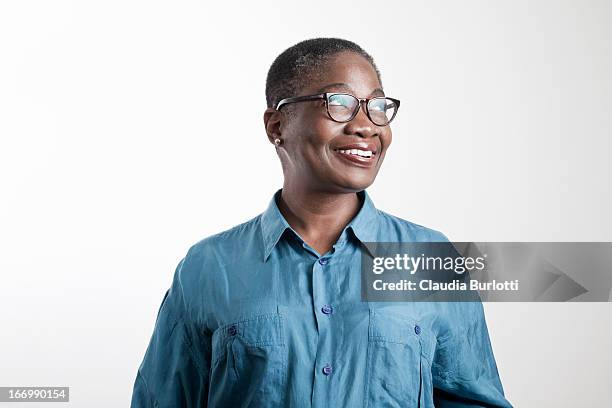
<point x="209" y="260"/>
<point x="227" y="242"/>
<point x="408" y="230"/>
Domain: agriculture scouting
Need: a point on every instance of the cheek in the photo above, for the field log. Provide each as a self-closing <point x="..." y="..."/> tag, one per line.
<point x="318" y="133"/>
<point x="386" y="138"/>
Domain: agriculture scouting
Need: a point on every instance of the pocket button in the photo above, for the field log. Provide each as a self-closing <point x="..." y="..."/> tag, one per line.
<point x="327" y="309"/>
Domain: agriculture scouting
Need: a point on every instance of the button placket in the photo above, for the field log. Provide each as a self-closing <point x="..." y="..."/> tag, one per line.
<point x="323" y="295"/>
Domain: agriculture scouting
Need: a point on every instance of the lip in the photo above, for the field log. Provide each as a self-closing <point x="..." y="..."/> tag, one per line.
<point x="358" y="145"/>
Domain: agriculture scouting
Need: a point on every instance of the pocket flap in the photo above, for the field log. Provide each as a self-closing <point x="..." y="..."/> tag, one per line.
<point x="261" y="330"/>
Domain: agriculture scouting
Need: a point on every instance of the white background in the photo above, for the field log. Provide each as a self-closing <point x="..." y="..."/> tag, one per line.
<point x="114" y="159"/>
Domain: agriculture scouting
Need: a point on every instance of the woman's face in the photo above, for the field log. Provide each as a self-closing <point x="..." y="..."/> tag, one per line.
<point x="311" y="139"/>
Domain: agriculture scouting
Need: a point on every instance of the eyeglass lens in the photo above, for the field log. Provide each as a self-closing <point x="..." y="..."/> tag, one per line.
<point x="342" y="107"/>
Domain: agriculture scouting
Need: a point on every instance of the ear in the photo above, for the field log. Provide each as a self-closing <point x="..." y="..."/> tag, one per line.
<point x="273" y="123"/>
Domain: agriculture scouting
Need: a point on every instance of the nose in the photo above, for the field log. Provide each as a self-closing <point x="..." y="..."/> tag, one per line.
<point x="361" y="125"/>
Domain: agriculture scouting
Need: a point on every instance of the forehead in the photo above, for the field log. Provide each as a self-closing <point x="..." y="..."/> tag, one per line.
<point x="345" y="72"/>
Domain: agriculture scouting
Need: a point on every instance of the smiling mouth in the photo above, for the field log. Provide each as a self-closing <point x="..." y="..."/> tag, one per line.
<point x="357" y="157"/>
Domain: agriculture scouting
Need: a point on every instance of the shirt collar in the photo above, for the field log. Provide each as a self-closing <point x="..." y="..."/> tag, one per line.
<point x="364" y="225"/>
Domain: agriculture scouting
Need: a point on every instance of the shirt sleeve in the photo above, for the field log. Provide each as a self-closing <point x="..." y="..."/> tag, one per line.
<point x="464" y="370"/>
<point x="174" y="371"/>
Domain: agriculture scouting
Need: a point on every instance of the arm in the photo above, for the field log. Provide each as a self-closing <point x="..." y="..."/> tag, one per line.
<point x="464" y="369"/>
<point x="174" y="371"/>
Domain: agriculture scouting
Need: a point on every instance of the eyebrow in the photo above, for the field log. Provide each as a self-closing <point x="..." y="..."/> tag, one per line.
<point x="346" y="88"/>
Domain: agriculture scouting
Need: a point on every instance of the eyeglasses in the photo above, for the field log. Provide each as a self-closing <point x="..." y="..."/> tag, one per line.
<point x="343" y="107"/>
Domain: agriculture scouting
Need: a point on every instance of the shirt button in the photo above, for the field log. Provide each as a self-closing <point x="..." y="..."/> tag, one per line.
<point x="327" y="309"/>
<point x="327" y="370"/>
<point x="417" y="329"/>
<point x="323" y="261"/>
<point x="232" y="330"/>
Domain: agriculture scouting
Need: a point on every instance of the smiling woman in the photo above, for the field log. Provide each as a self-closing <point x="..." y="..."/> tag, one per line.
<point x="280" y="322"/>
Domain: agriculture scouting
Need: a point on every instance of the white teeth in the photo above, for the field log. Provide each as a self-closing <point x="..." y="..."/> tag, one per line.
<point x="362" y="153"/>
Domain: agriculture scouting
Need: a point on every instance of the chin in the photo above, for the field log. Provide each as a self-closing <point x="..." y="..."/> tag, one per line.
<point x="357" y="184"/>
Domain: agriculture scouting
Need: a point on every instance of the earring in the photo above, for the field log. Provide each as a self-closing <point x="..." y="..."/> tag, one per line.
<point x="277" y="141"/>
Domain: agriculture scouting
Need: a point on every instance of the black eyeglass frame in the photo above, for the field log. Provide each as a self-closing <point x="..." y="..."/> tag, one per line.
<point x="327" y="95"/>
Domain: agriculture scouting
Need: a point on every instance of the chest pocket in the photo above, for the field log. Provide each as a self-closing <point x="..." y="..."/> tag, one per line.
<point x="398" y="364"/>
<point x="249" y="363"/>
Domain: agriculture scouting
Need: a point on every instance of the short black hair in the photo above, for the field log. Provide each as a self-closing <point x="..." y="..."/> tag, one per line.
<point x="295" y="66"/>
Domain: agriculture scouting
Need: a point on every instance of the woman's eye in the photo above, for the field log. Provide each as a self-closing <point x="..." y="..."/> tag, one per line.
<point x="340" y="100"/>
<point x="378" y="106"/>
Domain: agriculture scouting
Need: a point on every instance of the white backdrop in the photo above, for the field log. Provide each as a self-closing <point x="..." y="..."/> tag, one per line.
<point x="114" y="160"/>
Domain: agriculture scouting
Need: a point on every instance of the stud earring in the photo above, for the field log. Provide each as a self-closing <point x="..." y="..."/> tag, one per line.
<point x="277" y="141"/>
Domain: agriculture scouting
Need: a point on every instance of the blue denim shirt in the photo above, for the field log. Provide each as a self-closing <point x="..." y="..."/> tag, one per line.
<point x="255" y="317"/>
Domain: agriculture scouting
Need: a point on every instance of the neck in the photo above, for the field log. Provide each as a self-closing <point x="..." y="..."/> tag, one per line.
<point x="317" y="216"/>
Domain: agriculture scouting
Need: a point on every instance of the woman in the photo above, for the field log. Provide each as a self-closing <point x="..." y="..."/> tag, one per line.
<point x="269" y="313"/>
